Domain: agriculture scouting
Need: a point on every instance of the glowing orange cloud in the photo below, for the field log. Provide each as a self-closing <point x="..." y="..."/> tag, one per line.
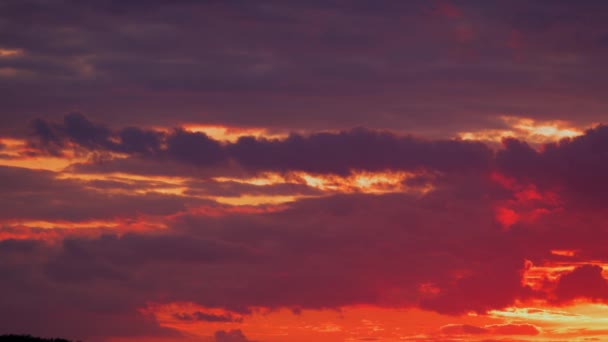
<point x="536" y="276"/>
<point x="20" y="154"/>
<point x="17" y="151"/>
<point x="56" y="230"/>
<point x="577" y="322"/>
<point x="10" y="52"/>
<point x="232" y="134"/>
<point x="353" y="323"/>
<point x="530" y="130"/>
<point x="357" y="181"/>
<point x="564" y="252"/>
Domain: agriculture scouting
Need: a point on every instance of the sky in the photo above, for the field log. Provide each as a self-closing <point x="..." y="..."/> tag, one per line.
<point x="296" y="171"/>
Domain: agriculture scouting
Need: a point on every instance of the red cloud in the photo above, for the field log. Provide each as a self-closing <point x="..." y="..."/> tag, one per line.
<point x="492" y="329"/>
<point x="324" y="252"/>
<point x="513" y="329"/>
<point x="583" y="282"/>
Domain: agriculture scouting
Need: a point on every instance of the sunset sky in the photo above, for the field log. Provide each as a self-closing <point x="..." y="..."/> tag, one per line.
<point x="304" y="171"/>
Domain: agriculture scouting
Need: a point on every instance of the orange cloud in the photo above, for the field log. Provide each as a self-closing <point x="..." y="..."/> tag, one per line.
<point x="56" y="230"/>
<point x="513" y="329"/>
<point x="531" y="130"/>
<point x="564" y="252"/>
<point x="353" y="323"/>
<point x="10" y="52"/>
<point x="490" y="329"/>
<point x="232" y="134"/>
<point x="18" y="154"/>
<point x="357" y="181"/>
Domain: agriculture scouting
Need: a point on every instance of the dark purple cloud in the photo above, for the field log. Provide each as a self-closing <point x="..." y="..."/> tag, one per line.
<point x="575" y="166"/>
<point x="583" y="282"/>
<point x="334" y="153"/>
<point x="358" y="149"/>
<point x="330" y="64"/>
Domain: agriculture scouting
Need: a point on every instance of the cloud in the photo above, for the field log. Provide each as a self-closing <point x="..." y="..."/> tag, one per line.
<point x="284" y="58"/>
<point x="360" y="149"/>
<point x="314" y="253"/>
<point x="50" y="198"/>
<point x="572" y="165"/>
<point x="230" y="336"/>
<point x="236" y="189"/>
<point x="583" y="282"/>
<point x="333" y="153"/>
<point x="569" y="168"/>
<point x="513" y="329"/>
<point x="342" y="152"/>
<point x="318" y="253"/>
<point x="462" y="329"/>
<point x="207" y="317"/>
<point x="194" y="148"/>
<point x="316" y="69"/>
<point x="509" y="329"/>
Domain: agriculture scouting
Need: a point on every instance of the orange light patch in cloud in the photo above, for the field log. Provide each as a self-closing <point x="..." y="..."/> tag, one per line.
<point x="365" y="182"/>
<point x="530" y="130"/>
<point x="177" y="186"/>
<point x="63" y="224"/>
<point x="142" y="222"/>
<point x="564" y="252"/>
<point x="353" y="323"/>
<point x="56" y="230"/>
<point x="232" y="134"/>
<point x="27" y="233"/>
<point x="358" y="181"/>
<point x="10" y="52"/>
<point x="361" y="182"/>
<point x="123" y="177"/>
<point x="12" y="144"/>
<point x="580" y="321"/>
<point x="263" y="179"/>
<point x="39" y="163"/>
<point x="141" y="184"/>
<point x="255" y="200"/>
<point x="17" y="152"/>
<point x="535" y="275"/>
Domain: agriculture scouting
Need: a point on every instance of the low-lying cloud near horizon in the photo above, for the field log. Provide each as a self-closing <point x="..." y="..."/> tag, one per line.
<point x="84" y="252"/>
